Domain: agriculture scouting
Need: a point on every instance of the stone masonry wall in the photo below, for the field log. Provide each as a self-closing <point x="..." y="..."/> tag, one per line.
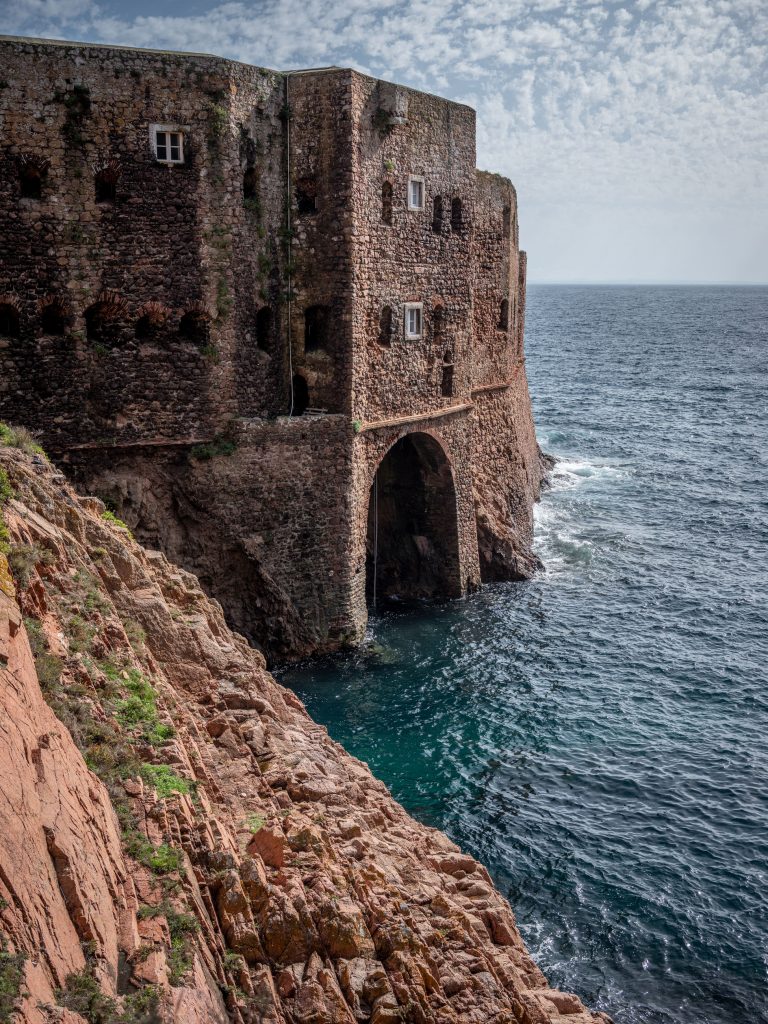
<point x="414" y="258"/>
<point x="261" y="526"/>
<point x="321" y="223"/>
<point x="505" y="459"/>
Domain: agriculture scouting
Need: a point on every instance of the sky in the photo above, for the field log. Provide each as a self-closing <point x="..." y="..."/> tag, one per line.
<point x="636" y="133"/>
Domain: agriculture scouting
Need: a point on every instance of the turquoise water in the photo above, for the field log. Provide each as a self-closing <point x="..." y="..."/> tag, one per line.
<point x="599" y="735"/>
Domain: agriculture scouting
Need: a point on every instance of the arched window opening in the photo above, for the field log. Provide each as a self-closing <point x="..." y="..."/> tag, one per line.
<point x="437" y="215"/>
<point x="385" y="326"/>
<point x="504" y="315"/>
<point x="306" y="195"/>
<point x="32" y="171"/>
<point x="412" y="548"/>
<point x="250" y="183"/>
<point x="105" y="182"/>
<point x="386" y="203"/>
<point x="300" y="394"/>
<point x="264" y="329"/>
<point x="446" y="386"/>
<point x="152" y="316"/>
<point x="10" y="325"/>
<point x="507" y="221"/>
<point x="438" y="323"/>
<point x="316" y="328"/>
<point x="456" y="215"/>
<point x="54" y="318"/>
<point x="103" y="320"/>
<point x="195" y="326"/>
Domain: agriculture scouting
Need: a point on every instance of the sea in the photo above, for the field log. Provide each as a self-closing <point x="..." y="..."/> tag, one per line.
<point x="598" y="736"/>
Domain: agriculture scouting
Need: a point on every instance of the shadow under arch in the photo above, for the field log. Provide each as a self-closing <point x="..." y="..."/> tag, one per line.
<point x="412" y="542"/>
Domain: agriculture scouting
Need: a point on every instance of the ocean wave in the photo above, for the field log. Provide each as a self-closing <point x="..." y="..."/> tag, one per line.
<point x="568" y="473"/>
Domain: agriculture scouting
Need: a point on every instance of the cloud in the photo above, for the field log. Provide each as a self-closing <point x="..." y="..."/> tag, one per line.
<point x="629" y="111"/>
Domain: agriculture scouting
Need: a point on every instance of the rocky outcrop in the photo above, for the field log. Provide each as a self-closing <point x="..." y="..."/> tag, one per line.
<point x="180" y="842"/>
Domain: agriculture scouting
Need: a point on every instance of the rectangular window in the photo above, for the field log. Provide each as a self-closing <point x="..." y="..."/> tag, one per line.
<point x="415" y="193"/>
<point x="167" y="143"/>
<point x="413" y="320"/>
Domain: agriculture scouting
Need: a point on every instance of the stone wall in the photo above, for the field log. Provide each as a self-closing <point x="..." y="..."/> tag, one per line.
<point x="260" y="526"/>
<point x="506" y="467"/>
<point x="416" y="257"/>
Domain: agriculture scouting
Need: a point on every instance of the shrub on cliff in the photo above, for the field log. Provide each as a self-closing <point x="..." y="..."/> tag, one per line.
<point x="6" y="493"/>
<point x="11" y="978"/>
<point x="20" y="437"/>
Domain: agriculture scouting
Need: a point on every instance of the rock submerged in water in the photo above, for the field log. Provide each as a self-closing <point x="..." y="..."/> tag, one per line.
<point x="180" y="842"/>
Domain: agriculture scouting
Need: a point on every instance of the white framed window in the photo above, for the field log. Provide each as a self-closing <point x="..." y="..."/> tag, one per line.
<point x="414" y="317"/>
<point x="167" y="141"/>
<point x="415" y="193"/>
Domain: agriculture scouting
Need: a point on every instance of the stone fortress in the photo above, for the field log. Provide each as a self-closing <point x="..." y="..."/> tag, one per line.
<point x="274" y="320"/>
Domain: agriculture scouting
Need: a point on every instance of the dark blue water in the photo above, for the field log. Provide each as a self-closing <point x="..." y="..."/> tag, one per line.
<point x="599" y="736"/>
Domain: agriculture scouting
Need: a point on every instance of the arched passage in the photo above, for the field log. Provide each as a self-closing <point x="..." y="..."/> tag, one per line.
<point x="412" y="546"/>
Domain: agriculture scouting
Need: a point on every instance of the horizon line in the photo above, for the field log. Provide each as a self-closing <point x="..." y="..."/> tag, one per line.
<point x="656" y="284"/>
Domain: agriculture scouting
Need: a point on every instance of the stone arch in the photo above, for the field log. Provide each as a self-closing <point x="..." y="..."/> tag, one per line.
<point x="412" y="542"/>
<point x="504" y="315"/>
<point x="104" y="319"/>
<point x="151" y="319"/>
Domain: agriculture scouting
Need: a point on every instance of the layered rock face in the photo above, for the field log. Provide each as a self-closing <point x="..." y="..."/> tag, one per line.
<point x="179" y="842"/>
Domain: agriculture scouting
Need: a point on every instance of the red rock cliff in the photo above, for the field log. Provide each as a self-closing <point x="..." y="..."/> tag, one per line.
<point x="179" y="841"/>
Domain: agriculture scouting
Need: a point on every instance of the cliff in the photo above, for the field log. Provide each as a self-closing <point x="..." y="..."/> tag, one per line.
<point x="179" y="841"/>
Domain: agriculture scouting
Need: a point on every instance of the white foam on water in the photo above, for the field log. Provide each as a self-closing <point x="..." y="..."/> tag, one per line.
<point x="558" y="533"/>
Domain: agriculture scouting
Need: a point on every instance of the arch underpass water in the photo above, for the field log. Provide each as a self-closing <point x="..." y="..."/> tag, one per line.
<point x="412" y="545"/>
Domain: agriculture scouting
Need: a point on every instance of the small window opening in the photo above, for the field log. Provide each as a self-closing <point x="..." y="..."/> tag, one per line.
<point x="415" y="193"/>
<point x="53" y="319"/>
<point x="102" y="321"/>
<point x="250" y="183"/>
<point x="10" y="326"/>
<point x="385" y="326"/>
<point x="456" y="215"/>
<point x="30" y="181"/>
<point x="264" y="329"/>
<point x="438" y="323"/>
<point x="306" y="195"/>
<point x="105" y="182"/>
<point x="152" y="316"/>
<point x="144" y="328"/>
<point x="194" y="326"/>
<point x="504" y="315"/>
<point x="300" y="394"/>
<point x="437" y="215"/>
<point x="386" y="203"/>
<point x="507" y="221"/>
<point x="413" y="320"/>
<point x="446" y="386"/>
<point x="168" y="145"/>
<point x="316" y="328"/>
